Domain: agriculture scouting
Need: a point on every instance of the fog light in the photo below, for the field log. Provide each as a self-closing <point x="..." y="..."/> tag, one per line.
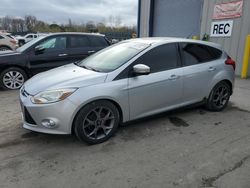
<point x="48" y="123"/>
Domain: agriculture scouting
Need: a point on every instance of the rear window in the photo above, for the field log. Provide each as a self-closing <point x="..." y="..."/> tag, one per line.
<point x="98" y="41"/>
<point x="197" y="53"/>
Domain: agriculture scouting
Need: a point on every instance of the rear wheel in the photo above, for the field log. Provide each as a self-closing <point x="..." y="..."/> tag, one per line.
<point x="12" y="78"/>
<point x="97" y="122"/>
<point x="4" y="48"/>
<point x="219" y="97"/>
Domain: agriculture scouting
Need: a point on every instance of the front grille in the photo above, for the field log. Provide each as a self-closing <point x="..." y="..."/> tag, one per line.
<point x="28" y="118"/>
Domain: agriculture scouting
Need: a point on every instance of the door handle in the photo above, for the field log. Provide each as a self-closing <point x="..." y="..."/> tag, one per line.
<point x="211" y="69"/>
<point x="91" y="51"/>
<point x="61" y="55"/>
<point x="173" y="77"/>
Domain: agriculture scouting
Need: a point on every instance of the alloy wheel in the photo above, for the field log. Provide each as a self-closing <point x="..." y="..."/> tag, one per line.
<point x="4" y="49"/>
<point x="220" y="96"/>
<point x="98" y="123"/>
<point x="13" y="80"/>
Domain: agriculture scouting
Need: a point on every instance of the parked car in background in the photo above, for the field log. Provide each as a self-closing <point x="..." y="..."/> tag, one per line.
<point x="7" y="42"/>
<point x="129" y="80"/>
<point x="27" y="38"/>
<point x="45" y="53"/>
<point x="12" y="37"/>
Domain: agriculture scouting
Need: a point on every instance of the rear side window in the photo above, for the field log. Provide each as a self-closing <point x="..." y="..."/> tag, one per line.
<point x="78" y="42"/>
<point x="193" y="54"/>
<point x="161" y="58"/>
<point x="98" y="41"/>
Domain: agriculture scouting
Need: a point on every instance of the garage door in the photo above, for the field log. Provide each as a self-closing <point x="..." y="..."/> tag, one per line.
<point x="179" y="18"/>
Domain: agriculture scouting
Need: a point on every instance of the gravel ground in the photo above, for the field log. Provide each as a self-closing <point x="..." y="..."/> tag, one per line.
<point x="184" y="148"/>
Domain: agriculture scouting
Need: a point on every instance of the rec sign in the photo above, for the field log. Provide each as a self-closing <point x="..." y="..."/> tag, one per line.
<point x="221" y="29"/>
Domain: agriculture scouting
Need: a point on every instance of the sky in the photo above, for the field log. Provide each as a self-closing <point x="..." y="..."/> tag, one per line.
<point x="79" y="11"/>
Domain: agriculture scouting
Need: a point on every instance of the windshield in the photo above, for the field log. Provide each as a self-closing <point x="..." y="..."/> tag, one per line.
<point x="27" y="45"/>
<point x="113" y="57"/>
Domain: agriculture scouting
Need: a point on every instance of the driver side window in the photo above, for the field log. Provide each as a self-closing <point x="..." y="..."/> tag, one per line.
<point x="56" y="43"/>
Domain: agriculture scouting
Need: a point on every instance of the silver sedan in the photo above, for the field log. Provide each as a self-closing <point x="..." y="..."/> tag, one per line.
<point x="130" y="80"/>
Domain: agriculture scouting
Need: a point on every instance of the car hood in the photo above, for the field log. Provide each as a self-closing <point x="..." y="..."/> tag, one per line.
<point x="69" y="76"/>
<point x="8" y="53"/>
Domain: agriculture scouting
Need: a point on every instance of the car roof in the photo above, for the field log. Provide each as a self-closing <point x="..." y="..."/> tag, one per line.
<point x="162" y="40"/>
<point x="76" y="33"/>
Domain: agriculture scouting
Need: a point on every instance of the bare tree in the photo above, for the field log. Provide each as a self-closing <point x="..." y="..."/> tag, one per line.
<point x="30" y="22"/>
<point x="118" y="21"/>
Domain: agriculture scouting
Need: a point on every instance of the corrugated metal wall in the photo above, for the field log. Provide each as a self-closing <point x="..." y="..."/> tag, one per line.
<point x="235" y="44"/>
<point x="177" y="18"/>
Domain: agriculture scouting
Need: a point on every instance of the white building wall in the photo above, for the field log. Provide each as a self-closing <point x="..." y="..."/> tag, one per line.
<point x="144" y="18"/>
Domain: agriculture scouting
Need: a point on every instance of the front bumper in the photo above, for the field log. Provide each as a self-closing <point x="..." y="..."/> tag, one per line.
<point x="62" y="113"/>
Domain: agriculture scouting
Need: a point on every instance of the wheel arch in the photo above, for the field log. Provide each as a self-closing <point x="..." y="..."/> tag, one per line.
<point x="100" y="99"/>
<point x="6" y="47"/>
<point x="229" y="83"/>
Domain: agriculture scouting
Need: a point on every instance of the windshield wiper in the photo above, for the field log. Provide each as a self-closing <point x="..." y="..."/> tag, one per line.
<point x="89" y="68"/>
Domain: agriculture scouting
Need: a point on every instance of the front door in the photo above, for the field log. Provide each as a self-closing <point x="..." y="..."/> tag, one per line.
<point x="162" y="88"/>
<point x="54" y="54"/>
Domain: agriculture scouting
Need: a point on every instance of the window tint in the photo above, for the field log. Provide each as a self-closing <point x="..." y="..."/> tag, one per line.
<point x="98" y="41"/>
<point x="55" y="43"/>
<point x="197" y="53"/>
<point x="161" y="58"/>
<point x="78" y="42"/>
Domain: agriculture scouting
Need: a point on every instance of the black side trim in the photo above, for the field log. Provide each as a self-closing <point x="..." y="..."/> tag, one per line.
<point x="28" y="118"/>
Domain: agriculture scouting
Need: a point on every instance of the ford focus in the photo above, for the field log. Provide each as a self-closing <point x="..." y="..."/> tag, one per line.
<point x="127" y="81"/>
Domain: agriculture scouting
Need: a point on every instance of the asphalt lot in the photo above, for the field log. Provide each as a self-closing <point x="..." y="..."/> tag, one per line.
<point x="185" y="148"/>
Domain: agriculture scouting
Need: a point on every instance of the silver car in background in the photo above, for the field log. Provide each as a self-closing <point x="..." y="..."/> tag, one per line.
<point x="130" y="80"/>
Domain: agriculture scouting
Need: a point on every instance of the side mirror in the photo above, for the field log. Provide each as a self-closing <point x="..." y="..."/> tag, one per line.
<point x="141" y="69"/>
<point x="39" y="49"/>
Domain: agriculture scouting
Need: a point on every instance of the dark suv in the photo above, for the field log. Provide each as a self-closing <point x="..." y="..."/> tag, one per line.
<point x="46" y="53"/>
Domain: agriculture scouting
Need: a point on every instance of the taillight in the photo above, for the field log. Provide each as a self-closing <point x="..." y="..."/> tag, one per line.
<point x="230" y="61"/>
<point x="13" y="41"/>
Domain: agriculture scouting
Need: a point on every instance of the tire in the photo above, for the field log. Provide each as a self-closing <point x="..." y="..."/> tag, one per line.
<point x="4" y="48"/>
<point x="21" y="43"/>
<point x="96" y="122"/>
<point x="12" y="78"/>
<point x="219" y="97"/>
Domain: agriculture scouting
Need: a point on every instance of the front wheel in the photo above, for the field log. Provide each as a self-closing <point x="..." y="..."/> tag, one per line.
<point x="12" y="78"/>
<point x="219" y="97"/>
<point x="97" y="122"/>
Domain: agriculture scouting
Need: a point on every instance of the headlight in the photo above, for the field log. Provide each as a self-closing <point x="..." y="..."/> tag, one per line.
<point x="51" y="96"/>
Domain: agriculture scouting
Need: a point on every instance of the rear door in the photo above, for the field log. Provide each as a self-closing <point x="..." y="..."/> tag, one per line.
<point x="200" y="65"/>
<point x="55" y="54"/>
<point x="162" y="88"/>
<point x="79" y="47"/>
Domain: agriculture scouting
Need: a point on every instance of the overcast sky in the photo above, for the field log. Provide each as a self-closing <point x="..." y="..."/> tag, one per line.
<point x="79" y="11"/>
